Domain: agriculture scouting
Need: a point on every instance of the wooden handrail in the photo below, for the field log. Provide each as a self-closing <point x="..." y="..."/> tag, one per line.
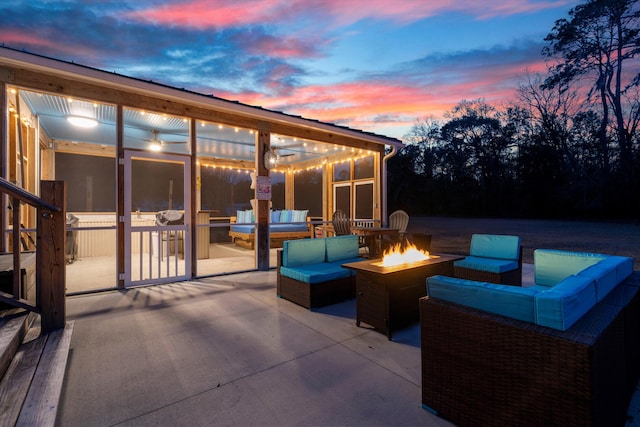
<point x="24" y="196"/>
<point x="50" y="252"/>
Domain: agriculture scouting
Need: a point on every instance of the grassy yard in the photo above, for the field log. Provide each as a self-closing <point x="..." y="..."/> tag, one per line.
<point x="452" y="235"/>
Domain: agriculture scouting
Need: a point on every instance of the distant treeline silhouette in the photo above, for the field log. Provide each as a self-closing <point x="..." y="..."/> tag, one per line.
<point x="566" y="147"/>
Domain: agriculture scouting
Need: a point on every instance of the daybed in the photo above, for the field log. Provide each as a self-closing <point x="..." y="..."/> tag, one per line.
<point x="562" y="352"/>
<point x="492" y="258"/>
<point x="310" y="271"/>
<point x="284" y="225"/>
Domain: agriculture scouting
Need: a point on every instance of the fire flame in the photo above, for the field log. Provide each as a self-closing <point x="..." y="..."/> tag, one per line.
<point x="403" y="253"/>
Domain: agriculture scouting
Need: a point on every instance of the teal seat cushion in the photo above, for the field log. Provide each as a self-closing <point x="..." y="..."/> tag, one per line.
<point x="562" y="305"/>
<point x="303" y="252"/>
<point x="342" y="247"/>
<point x="603" y="275"/>
<point x="510" y="301"/>
<point x="495" y="246"/>
<point x="491" y="265"/>
<point x="624" y="266"/>
<point x="315" y="273"/>
<point x="608" y="273"/>
<point x="552" y="266"/>
<point x="346" y="261"/>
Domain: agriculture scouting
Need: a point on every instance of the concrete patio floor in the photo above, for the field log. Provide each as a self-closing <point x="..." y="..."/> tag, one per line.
<point x="226" y="351"/>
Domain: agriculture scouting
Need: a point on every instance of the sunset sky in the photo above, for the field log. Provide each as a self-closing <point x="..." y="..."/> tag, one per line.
<point x="374" y="65"/>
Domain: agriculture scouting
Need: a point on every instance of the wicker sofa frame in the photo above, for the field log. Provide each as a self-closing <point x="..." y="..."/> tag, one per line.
<point x="513" y="277"/>
<point x="314" y="295"/>
<point x="480" y="368"/>
<point x="248" y="240"/>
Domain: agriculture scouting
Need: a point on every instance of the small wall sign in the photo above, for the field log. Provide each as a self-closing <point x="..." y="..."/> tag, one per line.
<point x="263" y="187"/>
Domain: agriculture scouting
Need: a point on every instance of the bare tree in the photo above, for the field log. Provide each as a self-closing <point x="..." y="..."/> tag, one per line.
<point x="601" y="41"/>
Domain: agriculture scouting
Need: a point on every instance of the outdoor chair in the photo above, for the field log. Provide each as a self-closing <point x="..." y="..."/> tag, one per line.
<point x="492" y="258"/>
<point x="398" y="219"/>
<point x="342" y="226"/>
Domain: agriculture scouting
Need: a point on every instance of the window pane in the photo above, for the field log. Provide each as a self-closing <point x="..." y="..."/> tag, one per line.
<point x="342" y="171"/>
<point x="307" y="191"/>
<point x="91" y="182"/>
<point x="364" y="201"/>
<point x="363" y="168"/>
<point x="225" y="191"/>
<point x="343" y="199"/>
<point x="277" y="190"/>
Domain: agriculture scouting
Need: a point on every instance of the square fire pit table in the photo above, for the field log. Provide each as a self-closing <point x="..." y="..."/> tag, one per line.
<point x="387" y="297"/>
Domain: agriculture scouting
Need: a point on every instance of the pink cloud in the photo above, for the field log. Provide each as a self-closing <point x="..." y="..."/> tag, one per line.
<point x="357" y="105"/>
<point x="229" y="13"/>
<point x="211" y="13"/>
<point x="410" y="11"/>
<point x="45" y="44"/>
<point x="394" y="106"/>
<point x="281" y="47"/>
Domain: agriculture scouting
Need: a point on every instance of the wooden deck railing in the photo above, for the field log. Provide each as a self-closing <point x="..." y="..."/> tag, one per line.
<point x="50" y="252"/>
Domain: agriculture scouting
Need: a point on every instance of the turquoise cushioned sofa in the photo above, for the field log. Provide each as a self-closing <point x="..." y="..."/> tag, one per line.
<point x="283" y="225"/>
<point x="567" y="285"/>
<point x="564" y="351"/>
<point x="310" y="271"/>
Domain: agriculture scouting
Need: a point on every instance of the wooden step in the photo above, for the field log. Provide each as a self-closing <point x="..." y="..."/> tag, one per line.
<point x="14" y="324"/>
<point x="30" y="389"/>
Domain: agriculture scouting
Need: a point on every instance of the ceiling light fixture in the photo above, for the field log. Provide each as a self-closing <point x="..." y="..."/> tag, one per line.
<point x="83" y="122"/>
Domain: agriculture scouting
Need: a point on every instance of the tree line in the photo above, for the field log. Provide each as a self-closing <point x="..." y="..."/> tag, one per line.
<point x="567" y="145"/>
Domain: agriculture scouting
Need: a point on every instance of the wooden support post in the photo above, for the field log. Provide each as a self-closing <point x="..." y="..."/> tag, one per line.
<point x="120" y="196"/>
<point x="262" y="214"/>
<point x="15" y="208"/>
<point x="195" y="204"/>
<point x="50" y="257"/>
<point x="4" y="140"/>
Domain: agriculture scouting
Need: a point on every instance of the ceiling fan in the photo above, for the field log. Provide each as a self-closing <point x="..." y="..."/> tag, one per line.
<point x="272" y="157"/>
<point x="156" y="143"/>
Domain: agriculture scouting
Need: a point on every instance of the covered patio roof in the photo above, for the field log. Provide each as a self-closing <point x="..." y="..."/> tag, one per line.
<point x="299" y="138"/>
